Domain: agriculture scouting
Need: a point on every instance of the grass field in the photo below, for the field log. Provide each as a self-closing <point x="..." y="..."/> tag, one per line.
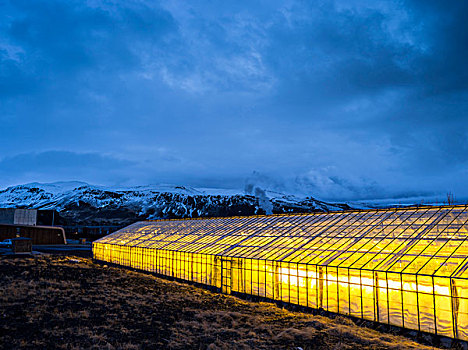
<point x="65" y="302"/>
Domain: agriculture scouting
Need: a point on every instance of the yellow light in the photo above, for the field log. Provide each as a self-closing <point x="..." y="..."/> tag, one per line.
<point x="372" y="282"/>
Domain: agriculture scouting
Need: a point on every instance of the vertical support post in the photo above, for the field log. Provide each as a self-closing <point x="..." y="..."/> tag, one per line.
<point x="337" y="291"/>
<point x="307" y="285"/>
<point x="320" y="287"/>
<point x="298" y="285"/>
<point x="376" y="297"/>
<point x="388" y="298"/>
<point x="349" y="293"/>
<point x="289" y="282"/>
<point x="434" y="302"/>
<point x="455" y="306"/>
<point x="360" y="286"/>
<point x="417" y="303"/>
<point x="402" y="306"/>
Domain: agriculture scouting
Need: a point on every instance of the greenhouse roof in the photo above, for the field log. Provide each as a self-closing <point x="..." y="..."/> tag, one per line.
<point x="417" y="240"/>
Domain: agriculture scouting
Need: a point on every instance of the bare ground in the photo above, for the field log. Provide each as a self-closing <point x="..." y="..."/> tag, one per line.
<point x="49" y="302"/>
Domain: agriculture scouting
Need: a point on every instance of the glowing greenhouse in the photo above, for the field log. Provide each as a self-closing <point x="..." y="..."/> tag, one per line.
<point x="405" y="267"/>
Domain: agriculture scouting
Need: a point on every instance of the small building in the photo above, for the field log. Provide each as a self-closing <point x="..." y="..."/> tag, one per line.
<point x="12" y="216"/>
<point x="23" y="223"/>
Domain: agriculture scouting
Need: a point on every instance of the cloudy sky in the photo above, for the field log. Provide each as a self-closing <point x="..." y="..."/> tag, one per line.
<point x="341" y="99"/>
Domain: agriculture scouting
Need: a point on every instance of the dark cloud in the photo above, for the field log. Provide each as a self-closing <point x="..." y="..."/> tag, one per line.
<point x="348" y="99"/>
<point x="344" y="54"/>
<point x="53" y="43"/>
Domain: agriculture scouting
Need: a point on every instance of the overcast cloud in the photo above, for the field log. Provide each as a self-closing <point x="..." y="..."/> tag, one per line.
<point x="338" y="99"/>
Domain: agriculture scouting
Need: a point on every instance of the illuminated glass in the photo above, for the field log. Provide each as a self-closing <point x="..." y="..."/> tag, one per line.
<point x="406" y="267"/>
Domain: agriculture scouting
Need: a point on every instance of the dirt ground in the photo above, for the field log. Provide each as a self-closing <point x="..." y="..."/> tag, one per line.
<point x="49" y="302"/>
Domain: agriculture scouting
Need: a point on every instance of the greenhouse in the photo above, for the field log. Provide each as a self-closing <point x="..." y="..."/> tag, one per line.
<point x="406" y="267"/>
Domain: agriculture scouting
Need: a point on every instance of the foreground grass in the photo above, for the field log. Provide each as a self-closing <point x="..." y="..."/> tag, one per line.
<point x="51" y="302"/>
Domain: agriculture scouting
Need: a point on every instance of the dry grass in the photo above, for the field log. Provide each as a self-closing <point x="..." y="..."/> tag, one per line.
<point x="56" y="302"/>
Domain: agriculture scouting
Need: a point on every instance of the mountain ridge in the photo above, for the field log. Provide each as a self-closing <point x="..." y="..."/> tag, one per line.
<point x="80" y="203"/>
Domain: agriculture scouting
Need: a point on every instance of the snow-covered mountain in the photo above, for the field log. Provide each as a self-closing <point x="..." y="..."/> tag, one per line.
<point x="82" y="204"/>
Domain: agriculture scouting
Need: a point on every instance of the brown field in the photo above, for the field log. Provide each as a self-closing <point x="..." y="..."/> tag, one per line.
<point x="49" y="302"/>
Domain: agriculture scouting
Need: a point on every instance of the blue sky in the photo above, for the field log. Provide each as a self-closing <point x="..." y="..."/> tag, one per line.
<point x="340" y="99"/>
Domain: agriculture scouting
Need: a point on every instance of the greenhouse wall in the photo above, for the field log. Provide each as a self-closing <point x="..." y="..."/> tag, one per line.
<point x="387" y="266"/>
